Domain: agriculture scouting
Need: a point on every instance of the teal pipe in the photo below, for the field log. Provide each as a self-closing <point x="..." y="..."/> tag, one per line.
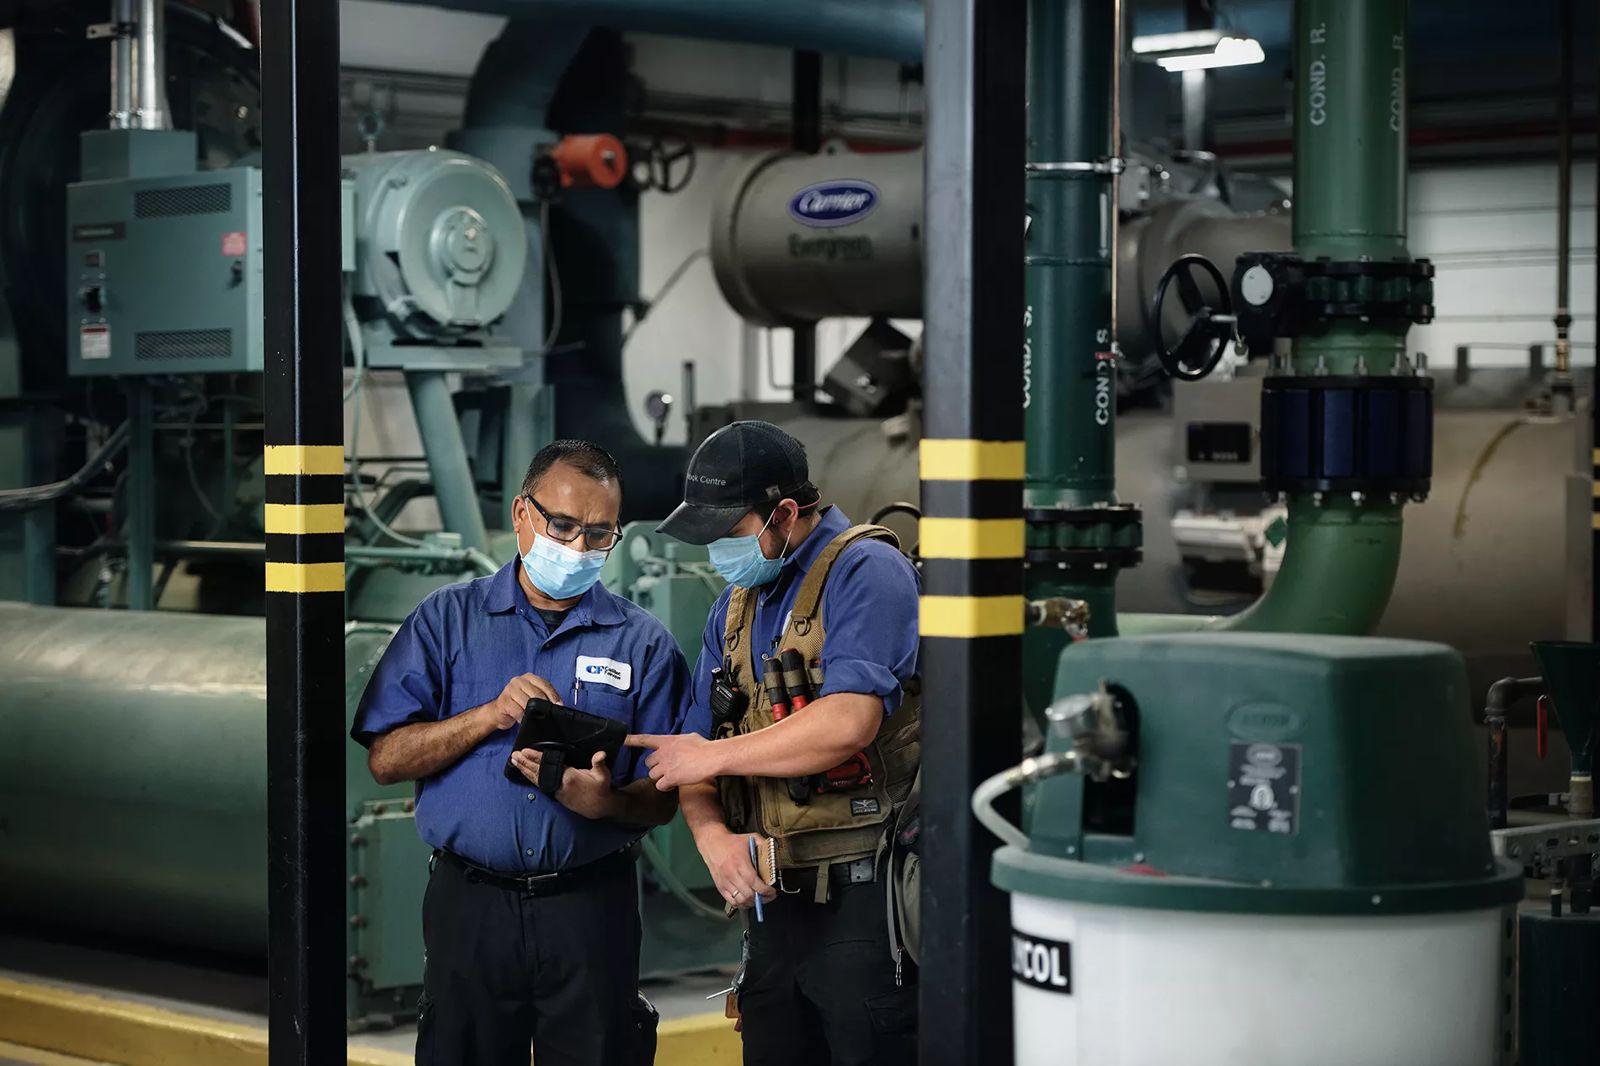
<point x="453" y="485"/>
<point x="133" y="785"/>
<point x="886" y="29"/>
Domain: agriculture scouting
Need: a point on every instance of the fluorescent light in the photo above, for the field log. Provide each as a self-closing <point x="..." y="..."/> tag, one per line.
<point x="1186" y="40"/>
<point x="1230" y="52"/>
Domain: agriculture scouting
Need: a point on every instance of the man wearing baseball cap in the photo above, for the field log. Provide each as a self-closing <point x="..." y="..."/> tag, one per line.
<point x="807" y="714"/>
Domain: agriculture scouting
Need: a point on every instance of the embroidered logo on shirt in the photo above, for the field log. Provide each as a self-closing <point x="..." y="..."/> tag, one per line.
<point x="594" y="670"/>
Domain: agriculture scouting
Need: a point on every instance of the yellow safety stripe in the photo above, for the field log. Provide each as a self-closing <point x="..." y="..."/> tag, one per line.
<point x="1597" y="457"/>
<point x="971" y="616"/>
<point x="970" y="538"/>
<point x="972" y="460"/>
<point x="305" y="518"/>
<point x="1597" y="521"/>
<point x="306" y="577"/>
<point x="303" y="459"/>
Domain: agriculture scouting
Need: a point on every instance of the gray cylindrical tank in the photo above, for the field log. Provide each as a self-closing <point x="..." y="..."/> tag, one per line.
<point x="1148" y="244"/>
<point x="440" y="242"/>
<point x="1483" y="567"/>
<point x="796" y="238"/>
<point x="133" y="778"/>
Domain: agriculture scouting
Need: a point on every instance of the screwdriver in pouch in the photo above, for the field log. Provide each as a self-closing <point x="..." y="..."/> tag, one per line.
<point x="854" y="771"/>
<point x="778" y="696"/>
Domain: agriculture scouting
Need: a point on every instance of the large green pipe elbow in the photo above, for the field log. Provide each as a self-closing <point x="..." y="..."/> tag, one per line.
<point x="1337" y="573"/>
<point x="1336" y="578"/>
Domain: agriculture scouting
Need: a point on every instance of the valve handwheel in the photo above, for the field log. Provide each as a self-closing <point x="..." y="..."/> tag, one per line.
<point x="1209" y="329"/>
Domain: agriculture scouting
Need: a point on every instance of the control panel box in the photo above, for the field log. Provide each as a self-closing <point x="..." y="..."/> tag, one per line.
<point x="164" y="274"/>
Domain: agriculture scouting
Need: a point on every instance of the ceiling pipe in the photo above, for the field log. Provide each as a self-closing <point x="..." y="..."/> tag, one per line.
<point x="885" y="29"/>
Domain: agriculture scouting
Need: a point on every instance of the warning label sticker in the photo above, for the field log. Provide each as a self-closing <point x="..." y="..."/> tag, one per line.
<point x="234" y="243"/>
<point x="94" y="342"/>
<point x="1264" y="789"/>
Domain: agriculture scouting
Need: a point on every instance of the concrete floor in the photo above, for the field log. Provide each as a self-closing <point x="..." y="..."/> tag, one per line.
<point x="221" y="990"/>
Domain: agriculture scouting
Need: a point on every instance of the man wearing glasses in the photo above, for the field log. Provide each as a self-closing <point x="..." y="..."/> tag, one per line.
<point x="530" y="922"/>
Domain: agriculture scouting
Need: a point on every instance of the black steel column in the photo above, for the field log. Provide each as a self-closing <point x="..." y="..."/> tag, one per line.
<point x="972" y="470"/>
<point x="805" y="134"/>
<point x="304" y="463"/>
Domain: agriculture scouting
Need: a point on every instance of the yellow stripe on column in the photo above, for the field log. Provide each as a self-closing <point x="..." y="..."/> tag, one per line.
<point x="970" y="538"/>
<point x="306" y="577"/>
<point x="303" y="459"/>
<point x="972" y="460"/>
<point x="305" y="518"/>
<point x="1597" y="521"/>
<point x="971" y="616"/>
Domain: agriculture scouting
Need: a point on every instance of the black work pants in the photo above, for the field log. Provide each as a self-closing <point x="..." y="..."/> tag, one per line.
<point x="820" y="985"/>
<point x="504" y="970"/>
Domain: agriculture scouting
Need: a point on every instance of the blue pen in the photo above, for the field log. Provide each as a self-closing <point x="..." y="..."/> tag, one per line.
<point x="752" y="842"/>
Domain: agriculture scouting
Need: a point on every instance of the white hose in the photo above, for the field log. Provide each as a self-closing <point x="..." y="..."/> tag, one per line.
<point x="1036" y="769"/>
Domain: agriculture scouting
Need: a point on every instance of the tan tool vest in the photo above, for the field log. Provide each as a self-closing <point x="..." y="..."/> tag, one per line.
<point x="833" y="827"/>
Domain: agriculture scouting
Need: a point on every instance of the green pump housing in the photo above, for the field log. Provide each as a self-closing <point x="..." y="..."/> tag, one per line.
<point x="1272" y="773"/>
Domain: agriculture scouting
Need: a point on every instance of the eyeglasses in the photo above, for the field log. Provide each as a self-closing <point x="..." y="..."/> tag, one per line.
<point x="566" y="530"/>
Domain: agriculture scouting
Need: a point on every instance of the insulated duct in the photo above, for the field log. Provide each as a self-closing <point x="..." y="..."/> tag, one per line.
<point x="885" y="29"/>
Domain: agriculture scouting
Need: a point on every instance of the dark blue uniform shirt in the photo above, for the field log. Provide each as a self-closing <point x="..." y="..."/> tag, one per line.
<point x="869" y="613"/>
<point x="457" y="651"/>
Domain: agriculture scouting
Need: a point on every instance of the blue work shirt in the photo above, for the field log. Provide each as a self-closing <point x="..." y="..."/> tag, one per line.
<point x="869" y="615"/>
<point x="458" y="649"/>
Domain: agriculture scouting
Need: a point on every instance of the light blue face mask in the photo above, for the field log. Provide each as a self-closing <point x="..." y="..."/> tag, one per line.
<point x="560" y="572"/>
<point x="740" y="562"/>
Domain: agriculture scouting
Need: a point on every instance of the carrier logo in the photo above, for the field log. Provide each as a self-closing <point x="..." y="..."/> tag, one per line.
<point x="834" y="203"/>
<point x="595" y="670"/>
<point x="1045" y="964"/>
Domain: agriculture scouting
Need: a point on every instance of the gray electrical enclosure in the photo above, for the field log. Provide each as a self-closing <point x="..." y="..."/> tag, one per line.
<point x="164" y="274"/>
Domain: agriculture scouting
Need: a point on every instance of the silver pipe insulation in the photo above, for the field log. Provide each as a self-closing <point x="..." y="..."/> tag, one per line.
<point x="122" y="64"/>
<point x="150" y="111"/>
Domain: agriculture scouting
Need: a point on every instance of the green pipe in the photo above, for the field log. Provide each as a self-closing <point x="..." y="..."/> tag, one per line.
<point x="1350" y="203"/>
<point x="1337" y="573"/>
<point x="1069" y="393"/>
<point x="163" y="836"/>
<point x="355" y="554"/>
<point x="1069" y="376"/>
<point x="453" y="485"/>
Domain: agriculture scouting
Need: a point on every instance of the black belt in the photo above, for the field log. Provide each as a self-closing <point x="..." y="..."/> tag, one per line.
<point x="549" y="884"/>
<point x="840" y="874"/>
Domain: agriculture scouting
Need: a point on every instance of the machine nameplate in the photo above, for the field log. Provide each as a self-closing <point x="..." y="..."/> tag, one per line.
<point x="1264" y="791"/>
<point x="99" y="231"/>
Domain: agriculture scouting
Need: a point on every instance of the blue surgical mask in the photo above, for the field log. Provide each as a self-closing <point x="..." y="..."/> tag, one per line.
<point x="560" y="572"/>
<point x="740" y="562"/>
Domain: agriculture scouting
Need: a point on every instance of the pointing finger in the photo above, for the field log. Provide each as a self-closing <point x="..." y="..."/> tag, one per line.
<point x="643" y="740"/>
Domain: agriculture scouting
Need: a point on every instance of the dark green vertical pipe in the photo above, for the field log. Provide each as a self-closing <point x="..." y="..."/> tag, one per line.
<point x="1069" y="372"/>
<point x="1069" y="384"/>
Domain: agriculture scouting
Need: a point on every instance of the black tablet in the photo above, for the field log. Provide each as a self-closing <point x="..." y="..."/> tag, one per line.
<point x="576" y="734"/>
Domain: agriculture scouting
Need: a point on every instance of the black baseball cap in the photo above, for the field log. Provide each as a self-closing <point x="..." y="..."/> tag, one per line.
<point x="735" y="469"/>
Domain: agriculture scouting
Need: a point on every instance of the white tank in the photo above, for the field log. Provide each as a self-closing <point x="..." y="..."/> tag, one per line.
<point x="1156" y="988"/>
